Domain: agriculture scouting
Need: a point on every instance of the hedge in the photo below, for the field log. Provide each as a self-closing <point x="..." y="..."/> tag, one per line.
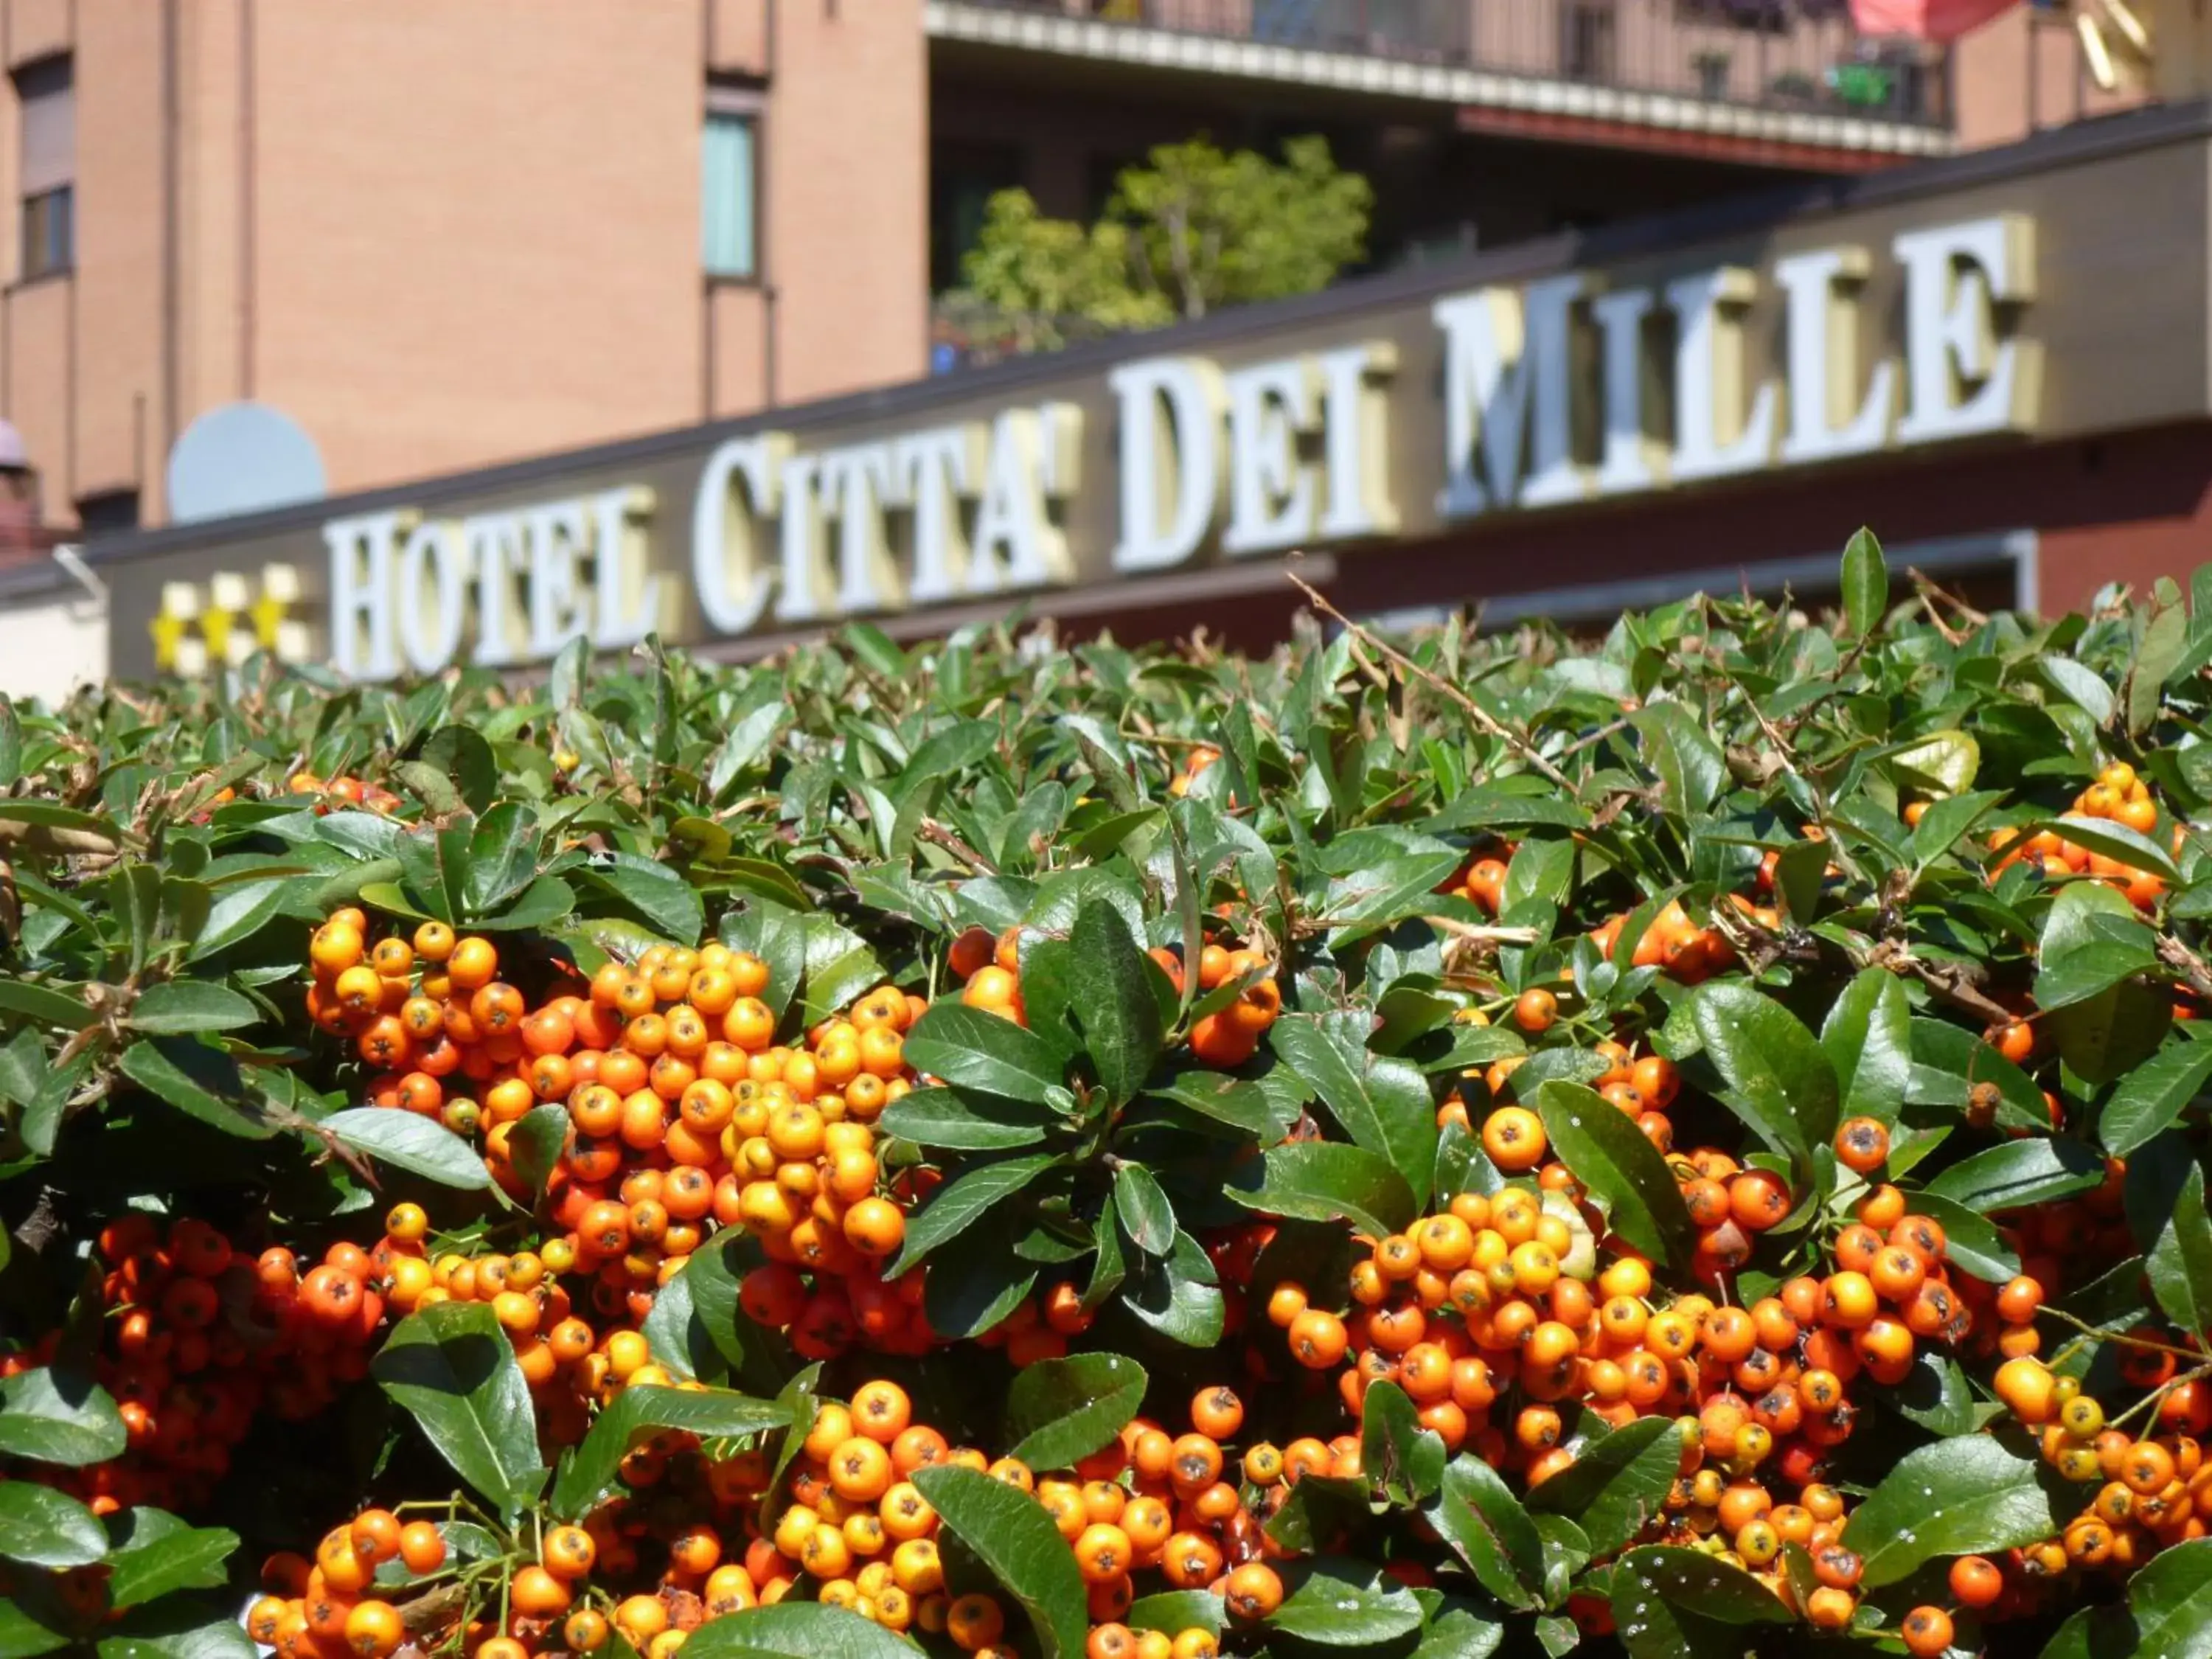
<point x="1691" y="1142"/>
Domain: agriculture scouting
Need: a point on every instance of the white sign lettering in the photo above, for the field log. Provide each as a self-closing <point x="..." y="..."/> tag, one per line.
<point x="1548" y="392"/>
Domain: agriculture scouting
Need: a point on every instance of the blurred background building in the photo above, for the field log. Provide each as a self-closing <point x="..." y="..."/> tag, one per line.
<point x="270" y="250"/>
<point x="432" y="234"/>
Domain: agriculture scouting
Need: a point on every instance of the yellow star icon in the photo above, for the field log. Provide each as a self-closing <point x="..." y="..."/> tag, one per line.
<point x="280" y="588"/>
<point x="180" y="604"/>
<point x="227" y="600"/>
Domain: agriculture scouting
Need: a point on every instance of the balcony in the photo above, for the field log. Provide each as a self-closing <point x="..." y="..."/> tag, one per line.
<point x="1789" y="77"/>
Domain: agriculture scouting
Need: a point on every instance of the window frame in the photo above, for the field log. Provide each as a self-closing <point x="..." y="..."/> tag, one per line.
<point x="37" y="217"/>
<point x="45" y="214"/>
<point x="741" y="107"/>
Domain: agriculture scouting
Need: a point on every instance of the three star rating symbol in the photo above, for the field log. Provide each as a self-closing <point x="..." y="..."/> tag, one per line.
<point x="227" y="620"/>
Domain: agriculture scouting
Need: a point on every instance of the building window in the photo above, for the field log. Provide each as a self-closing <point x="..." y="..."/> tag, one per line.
<point x="1586" y="40"/>
<point x="110" y="513"/>
<point x="730" y="205"/>
<point x="46" y="93"/>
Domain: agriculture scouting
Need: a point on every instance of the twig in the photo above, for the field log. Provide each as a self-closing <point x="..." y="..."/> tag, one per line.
<point x="1485" y="935"/>
<point x="1597" y="737"/>
<point x="1973" y="617"/>
<point x="1487" y="721"/>
<point x="932" y="830"/>
<point x="1949" y="983"/>
<point x="2187" y="963"/>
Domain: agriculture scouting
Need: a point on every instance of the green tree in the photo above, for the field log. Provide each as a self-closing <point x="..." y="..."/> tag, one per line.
<point x="1194" y="230"/>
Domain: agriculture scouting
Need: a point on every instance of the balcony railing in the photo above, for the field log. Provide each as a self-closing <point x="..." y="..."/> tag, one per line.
<point x="1785" y="55"/>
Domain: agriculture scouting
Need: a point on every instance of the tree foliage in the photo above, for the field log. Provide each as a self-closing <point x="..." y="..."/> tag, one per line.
<point x="1194" y="230"/>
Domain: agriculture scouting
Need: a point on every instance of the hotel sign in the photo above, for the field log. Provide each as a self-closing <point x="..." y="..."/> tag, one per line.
<point x="1407" y="421"/>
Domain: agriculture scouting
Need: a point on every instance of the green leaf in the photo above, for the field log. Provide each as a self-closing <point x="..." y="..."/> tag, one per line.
<point x="452" y="1369"/>
<point x="797" y="1630"/>
<point x="2165" y="636"/>
<point x="1110" y="992"/>
<point x="1145" y="1213"/>
<point x="1396" y="1453"/>
<point x="963" y="1122"/>
<point x="1935" y="1394"/>
<point x="1327" y="1181"/>
<point x="1177" y="1611"/>
<point x="1949" y="1060"/>
<point x="1460" y="1630"/>
<point x="1499" y="805"/>
<point x="956" y="1206"/>
<point x="52" y="1419"/>
<point x="1009" y="1533"/>
<point x="1865" y="584"/>
<point x="409" y="1141"/>
<point x="1478" y="1514"/>
<point x="1060" y="1410"/>
<point x="1177" y="1297"/>
<point x="200" y="1082"/>
<point x="1627" y="1174"/>
<point x="460" y="754"/>
<point x="1942" y="761"/>
<point x="1967" y="1496"/>
<point x="160" y="1554"/>
<point x="2117" y="841"/>
<point x="1945" y="821"/>
<point x="2180" y="1261"/>
<point x="176" y="1630"/>
<point x="2021" y="1173"/>
<point x="182" y="1005"/>
<point x="1671" y="1603"/>
<point x="972" y="1049"/>
<point x="42" y="1003"/>
<point x="2105" y="1037"/>
<point x="42" y="1527"/>
<point x="797" y="1396"/>
<point x="1385" y="891"/>
<point x="537" y="1142"/>
<point x="241" y="909"/>
<point x="1345" y="1604"/>
<point x="11" y="739"/>
<point x="2150" y="1099"/>
<point x="1616" y="1484"/>
<point x="1320" y="1508"/>
<point x="28" y="1629"/>
<point x="638" y="1413"/>
<point x="2092" y="940"/>
<point x="1867" y="1038"/>
<point x="1778" y="1079"/>
<point x="2168" y="1614"/>
<point x="1381" y="1102"/>
<point x="1688" y="763"/>
<point x="652" y="892"/>
<point x="1974" y="1243"/>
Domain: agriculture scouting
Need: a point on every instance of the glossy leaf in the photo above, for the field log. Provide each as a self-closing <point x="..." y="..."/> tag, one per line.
<point x="452" y="1369"/>
<point x="1478" y="1514"/>
<point x="42" y="1527"/>
<point x="797" y="1629"/>
<point x="1967" y="1496"/>
<point x="1627" y="1174"/>
<point x="1009" y="1533"/>
<point x="56" y="1417"/>
<point x="1110" y="989"/>
<point x="409" y="1141"/>
<point x="1774" y="1076"/>
<point x="970" y="1048"/>
<point x="1325" y="1181"/>
<point x="637" y="1412"/>
<point x="1060" y="1410"/>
